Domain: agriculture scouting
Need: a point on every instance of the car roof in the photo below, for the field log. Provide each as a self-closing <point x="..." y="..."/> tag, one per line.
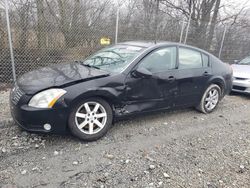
<point x="147" y="44"/>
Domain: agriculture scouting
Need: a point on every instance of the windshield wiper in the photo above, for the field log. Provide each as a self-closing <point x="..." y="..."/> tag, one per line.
<point x="88" y="65"/>
<point x="91" y="66"/>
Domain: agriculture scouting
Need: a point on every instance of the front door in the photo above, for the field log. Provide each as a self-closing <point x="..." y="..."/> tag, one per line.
<point x="157" y="91"/>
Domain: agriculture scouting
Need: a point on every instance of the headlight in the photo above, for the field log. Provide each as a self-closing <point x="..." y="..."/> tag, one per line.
<point x="47" y="98"/>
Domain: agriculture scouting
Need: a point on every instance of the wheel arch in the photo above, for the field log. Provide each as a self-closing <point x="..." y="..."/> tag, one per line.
<point x="220" y="82"/>
<point x="108" y="94"/>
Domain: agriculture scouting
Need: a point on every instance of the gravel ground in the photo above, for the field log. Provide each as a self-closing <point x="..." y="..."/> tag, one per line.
<point x="181" y="148"/>
<point x="4" y="106"/>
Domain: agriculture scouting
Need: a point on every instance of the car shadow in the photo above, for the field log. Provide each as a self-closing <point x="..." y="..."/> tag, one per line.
<point x="244" y="95"/>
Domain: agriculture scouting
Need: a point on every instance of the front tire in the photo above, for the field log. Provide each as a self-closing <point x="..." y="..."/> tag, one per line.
<point x="210" y="99"/>
<point x="90" y="119"/>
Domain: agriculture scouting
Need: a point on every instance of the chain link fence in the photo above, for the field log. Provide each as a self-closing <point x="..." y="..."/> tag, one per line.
<point x="46" y="32"/>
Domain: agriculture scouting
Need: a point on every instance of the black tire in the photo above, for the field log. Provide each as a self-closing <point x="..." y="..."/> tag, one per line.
<point x="90" y="137"/>
<point x="201" y="107"/>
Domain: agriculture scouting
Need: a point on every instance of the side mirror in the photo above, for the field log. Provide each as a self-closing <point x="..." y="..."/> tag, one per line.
<point x="142" y="73"/>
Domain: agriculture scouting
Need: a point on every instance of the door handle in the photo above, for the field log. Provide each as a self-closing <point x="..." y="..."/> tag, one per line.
<point x="171" y="78"/>
<point x="205" y="73"/>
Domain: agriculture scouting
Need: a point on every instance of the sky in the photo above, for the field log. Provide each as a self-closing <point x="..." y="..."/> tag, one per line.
<point x="236" y="5"/>
<point x="232" y="5"/>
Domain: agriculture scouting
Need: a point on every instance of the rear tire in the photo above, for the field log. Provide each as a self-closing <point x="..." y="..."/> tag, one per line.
<point x="210" y="99"/>
<point x="90" y="119"/>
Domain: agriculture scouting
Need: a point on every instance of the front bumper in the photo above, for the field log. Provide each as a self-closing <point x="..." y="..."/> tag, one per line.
<point x="33" y="119"/>
<point x="241" y="86"/>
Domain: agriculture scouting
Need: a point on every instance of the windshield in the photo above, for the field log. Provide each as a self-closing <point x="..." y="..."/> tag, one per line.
<point x="245" y="61"/>
<point x="113" y="59"/>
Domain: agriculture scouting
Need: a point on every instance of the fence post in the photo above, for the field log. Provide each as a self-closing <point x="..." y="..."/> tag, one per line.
<point x="156" y="20"/>
<point x="10" y="41"/>
<point x="182" y="29"/>
<point x="189" y="20"/>
<point x="222" y="41"/>
<point x="117" y="25"/>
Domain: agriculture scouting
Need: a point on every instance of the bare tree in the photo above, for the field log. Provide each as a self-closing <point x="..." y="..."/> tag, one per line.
<point x="23" y="8"/>
<point x="203" y="13"/>
<point x="213" y="24"/>
<point x="2" y="32"/>
<point x="41" y="27"/>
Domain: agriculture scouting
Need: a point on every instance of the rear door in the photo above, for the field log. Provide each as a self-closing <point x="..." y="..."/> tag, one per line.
<point x="192" y="76"/>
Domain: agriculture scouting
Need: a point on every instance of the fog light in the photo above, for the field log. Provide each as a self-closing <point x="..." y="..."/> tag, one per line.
<point x="47" y="126"/>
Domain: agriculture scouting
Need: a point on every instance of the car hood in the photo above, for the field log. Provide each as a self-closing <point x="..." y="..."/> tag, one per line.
<point x="57" y="76"/>
<point x="241" y="71"/>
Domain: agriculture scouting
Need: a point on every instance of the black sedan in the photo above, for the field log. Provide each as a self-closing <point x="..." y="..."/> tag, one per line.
<point x="85" y="97"/>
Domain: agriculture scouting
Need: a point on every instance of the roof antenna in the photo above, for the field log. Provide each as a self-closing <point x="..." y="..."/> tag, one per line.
<point x="156" y="19"/>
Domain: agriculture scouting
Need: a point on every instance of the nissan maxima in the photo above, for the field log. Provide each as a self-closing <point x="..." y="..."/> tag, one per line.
<point x="241" y="76"/>
<point x="86" y="97"/>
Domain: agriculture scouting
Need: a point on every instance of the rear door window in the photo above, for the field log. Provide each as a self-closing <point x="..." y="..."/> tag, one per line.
<point x="189" y="59"/>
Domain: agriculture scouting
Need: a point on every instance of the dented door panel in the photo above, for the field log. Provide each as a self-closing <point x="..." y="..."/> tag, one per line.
<point x="142" y="93"/>
<point x="145" y="94"/>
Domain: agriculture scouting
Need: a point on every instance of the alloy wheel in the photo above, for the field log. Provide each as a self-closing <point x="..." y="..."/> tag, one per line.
<point x="91" y="117"/>
<point x="211" y="99"/>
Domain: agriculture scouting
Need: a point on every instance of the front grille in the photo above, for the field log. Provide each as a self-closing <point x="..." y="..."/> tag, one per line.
<point x="16" y="95"/>
<point x="239" y="88"/>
